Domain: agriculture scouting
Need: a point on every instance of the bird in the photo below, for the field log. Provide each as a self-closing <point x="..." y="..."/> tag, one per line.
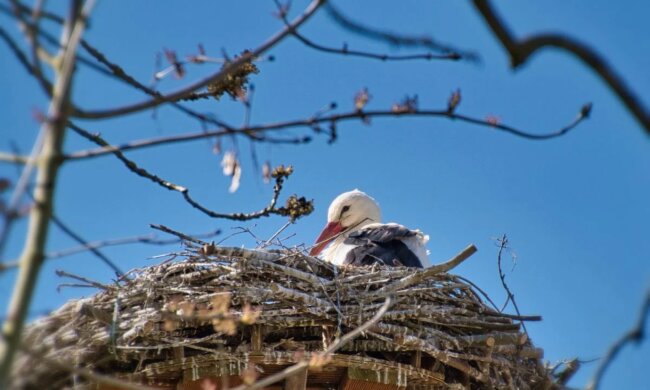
<point x="354" y="235"/>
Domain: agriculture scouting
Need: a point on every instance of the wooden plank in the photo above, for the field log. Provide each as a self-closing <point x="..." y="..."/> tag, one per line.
<point x="297" y="381"/>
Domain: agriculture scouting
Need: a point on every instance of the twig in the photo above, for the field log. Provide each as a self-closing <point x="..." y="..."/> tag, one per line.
<point x="143" y="239"/>
<point x="61" y="273"/>
<point x="53" y="131"/>
<point x="178" y="234"/>
<point x="393" y="38"/>
<point x="336" y="345"/>
<point x="133" y="167"/>
<point x="357" y="53"/>
<point x="503" y="244"/>
<point x="521" y="50"/>
<point x="310" y="122"/>
<point x="80" y="240"/>
<point x="119" y="73"/>
<point x="428" y="272"/>
<point x="636" y="335"/>
<point x="214" y="78"/>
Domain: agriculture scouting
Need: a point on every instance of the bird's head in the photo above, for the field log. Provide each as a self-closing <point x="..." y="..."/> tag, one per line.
<point x="348" y="212"/>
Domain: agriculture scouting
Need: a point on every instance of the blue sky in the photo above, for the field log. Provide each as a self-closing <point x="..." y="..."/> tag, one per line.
<point x="575" y="208"/>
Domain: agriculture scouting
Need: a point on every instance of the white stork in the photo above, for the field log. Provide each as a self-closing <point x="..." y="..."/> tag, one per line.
<point x="356" y="236"/>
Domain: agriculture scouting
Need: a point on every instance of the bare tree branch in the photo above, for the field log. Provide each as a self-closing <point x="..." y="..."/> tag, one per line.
<point x="395" y="38"/>
<point x="357" y="53"/>
<point x="216" y="77"/>
<point x="53" y="130"/>
<point x="313" y="121"/>
<point x="521" y="50"/>
<point x="302" y="207"/>
<point x="636" y="335"/>
<point x="503" y="244"/>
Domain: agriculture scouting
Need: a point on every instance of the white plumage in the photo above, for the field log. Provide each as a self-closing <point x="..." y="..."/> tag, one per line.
<point x="356" y="236"/>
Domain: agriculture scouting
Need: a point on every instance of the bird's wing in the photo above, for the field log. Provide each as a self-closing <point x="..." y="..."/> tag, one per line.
<point x="381" y="243"/>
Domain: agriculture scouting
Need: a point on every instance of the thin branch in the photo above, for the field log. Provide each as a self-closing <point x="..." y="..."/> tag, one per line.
<point x="270" y="209"/>
<point x="13" y="158"/>
<point x="395" y="39"/>
<point x="53" y="131"/>
<point x="80" y="240"/>
<point x="89" y="282"/>
<point x="333" y="118"/>
<point x="635" y="335"/>
<point x="335" y="346"/>
<point x="118" y="72"/>
<point x="503" y="244"/>
<point x="521" y="50"/>
<point x="357" y="53"/>
<point x="214" y="78"/>
<point x="22" y="58"/>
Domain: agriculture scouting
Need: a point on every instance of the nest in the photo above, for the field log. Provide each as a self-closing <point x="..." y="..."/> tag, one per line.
<point x="230" y="315"/>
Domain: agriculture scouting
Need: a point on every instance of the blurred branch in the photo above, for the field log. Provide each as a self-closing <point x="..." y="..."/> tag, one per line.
<point x="635" y="335"/>
<point x="521" y="50"/>
<point x="219" y="76"/>
<point x="395" y="39"/>
<point x="328" y="119"/>
<point x="357" y="53"/>
<point x="320" y="359"/>
<point x="52" y="131"/>
<point x="13" y="158"/>
<point x="22" y="58"/>
<point x="295" y="207"/>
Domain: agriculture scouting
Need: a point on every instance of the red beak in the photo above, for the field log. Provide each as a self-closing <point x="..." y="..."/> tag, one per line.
<point x="326" y="236"/>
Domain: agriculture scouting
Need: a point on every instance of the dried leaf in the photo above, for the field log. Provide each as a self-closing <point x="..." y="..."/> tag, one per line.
<point x="361" y="99"/>
<point x="221" y="303"/>
<point x="250" y="314"/>
<point x="266" y="172"/>
<point x="454" y="101"/>
<point x="250" y="374"/>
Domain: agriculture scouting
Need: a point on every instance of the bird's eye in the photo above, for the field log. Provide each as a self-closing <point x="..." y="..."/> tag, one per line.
<point x="345" y="209"/>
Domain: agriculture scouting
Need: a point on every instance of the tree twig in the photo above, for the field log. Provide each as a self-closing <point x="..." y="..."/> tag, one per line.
<point x="521" y="50"/>
<point x="503" y="244"/>
<point x="214" y="78"/>
<point x="364" y="54"/>
<point x="313" y="121"/>
<point x="636" y="335"/>
<point x="265" y="212"/>
<point x="392" y="38"/>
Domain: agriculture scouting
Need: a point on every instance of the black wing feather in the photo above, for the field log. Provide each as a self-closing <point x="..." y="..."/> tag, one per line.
<point x="382" y="245"/>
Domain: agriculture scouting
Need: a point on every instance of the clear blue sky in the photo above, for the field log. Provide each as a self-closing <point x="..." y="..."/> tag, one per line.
<point x="575" y="208"/>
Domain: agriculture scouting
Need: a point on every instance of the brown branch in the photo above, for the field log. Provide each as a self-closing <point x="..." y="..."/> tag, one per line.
<point x="335" y="346"/>
<point x="521" y="50"/>
<point x="291" y="210"/>
<point x="118" y="72"/>
<point x="53" y="131"/>
<point x="214" y="78"/>
<point x="333" y="118"/>
<point x="503" y="244"/>
<point x="80" y="240"/>
<point x="46" y="85"/>
<point x="636" y="335"/>
<point x="394" y="38"/>
<point x="357" y="53"/>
